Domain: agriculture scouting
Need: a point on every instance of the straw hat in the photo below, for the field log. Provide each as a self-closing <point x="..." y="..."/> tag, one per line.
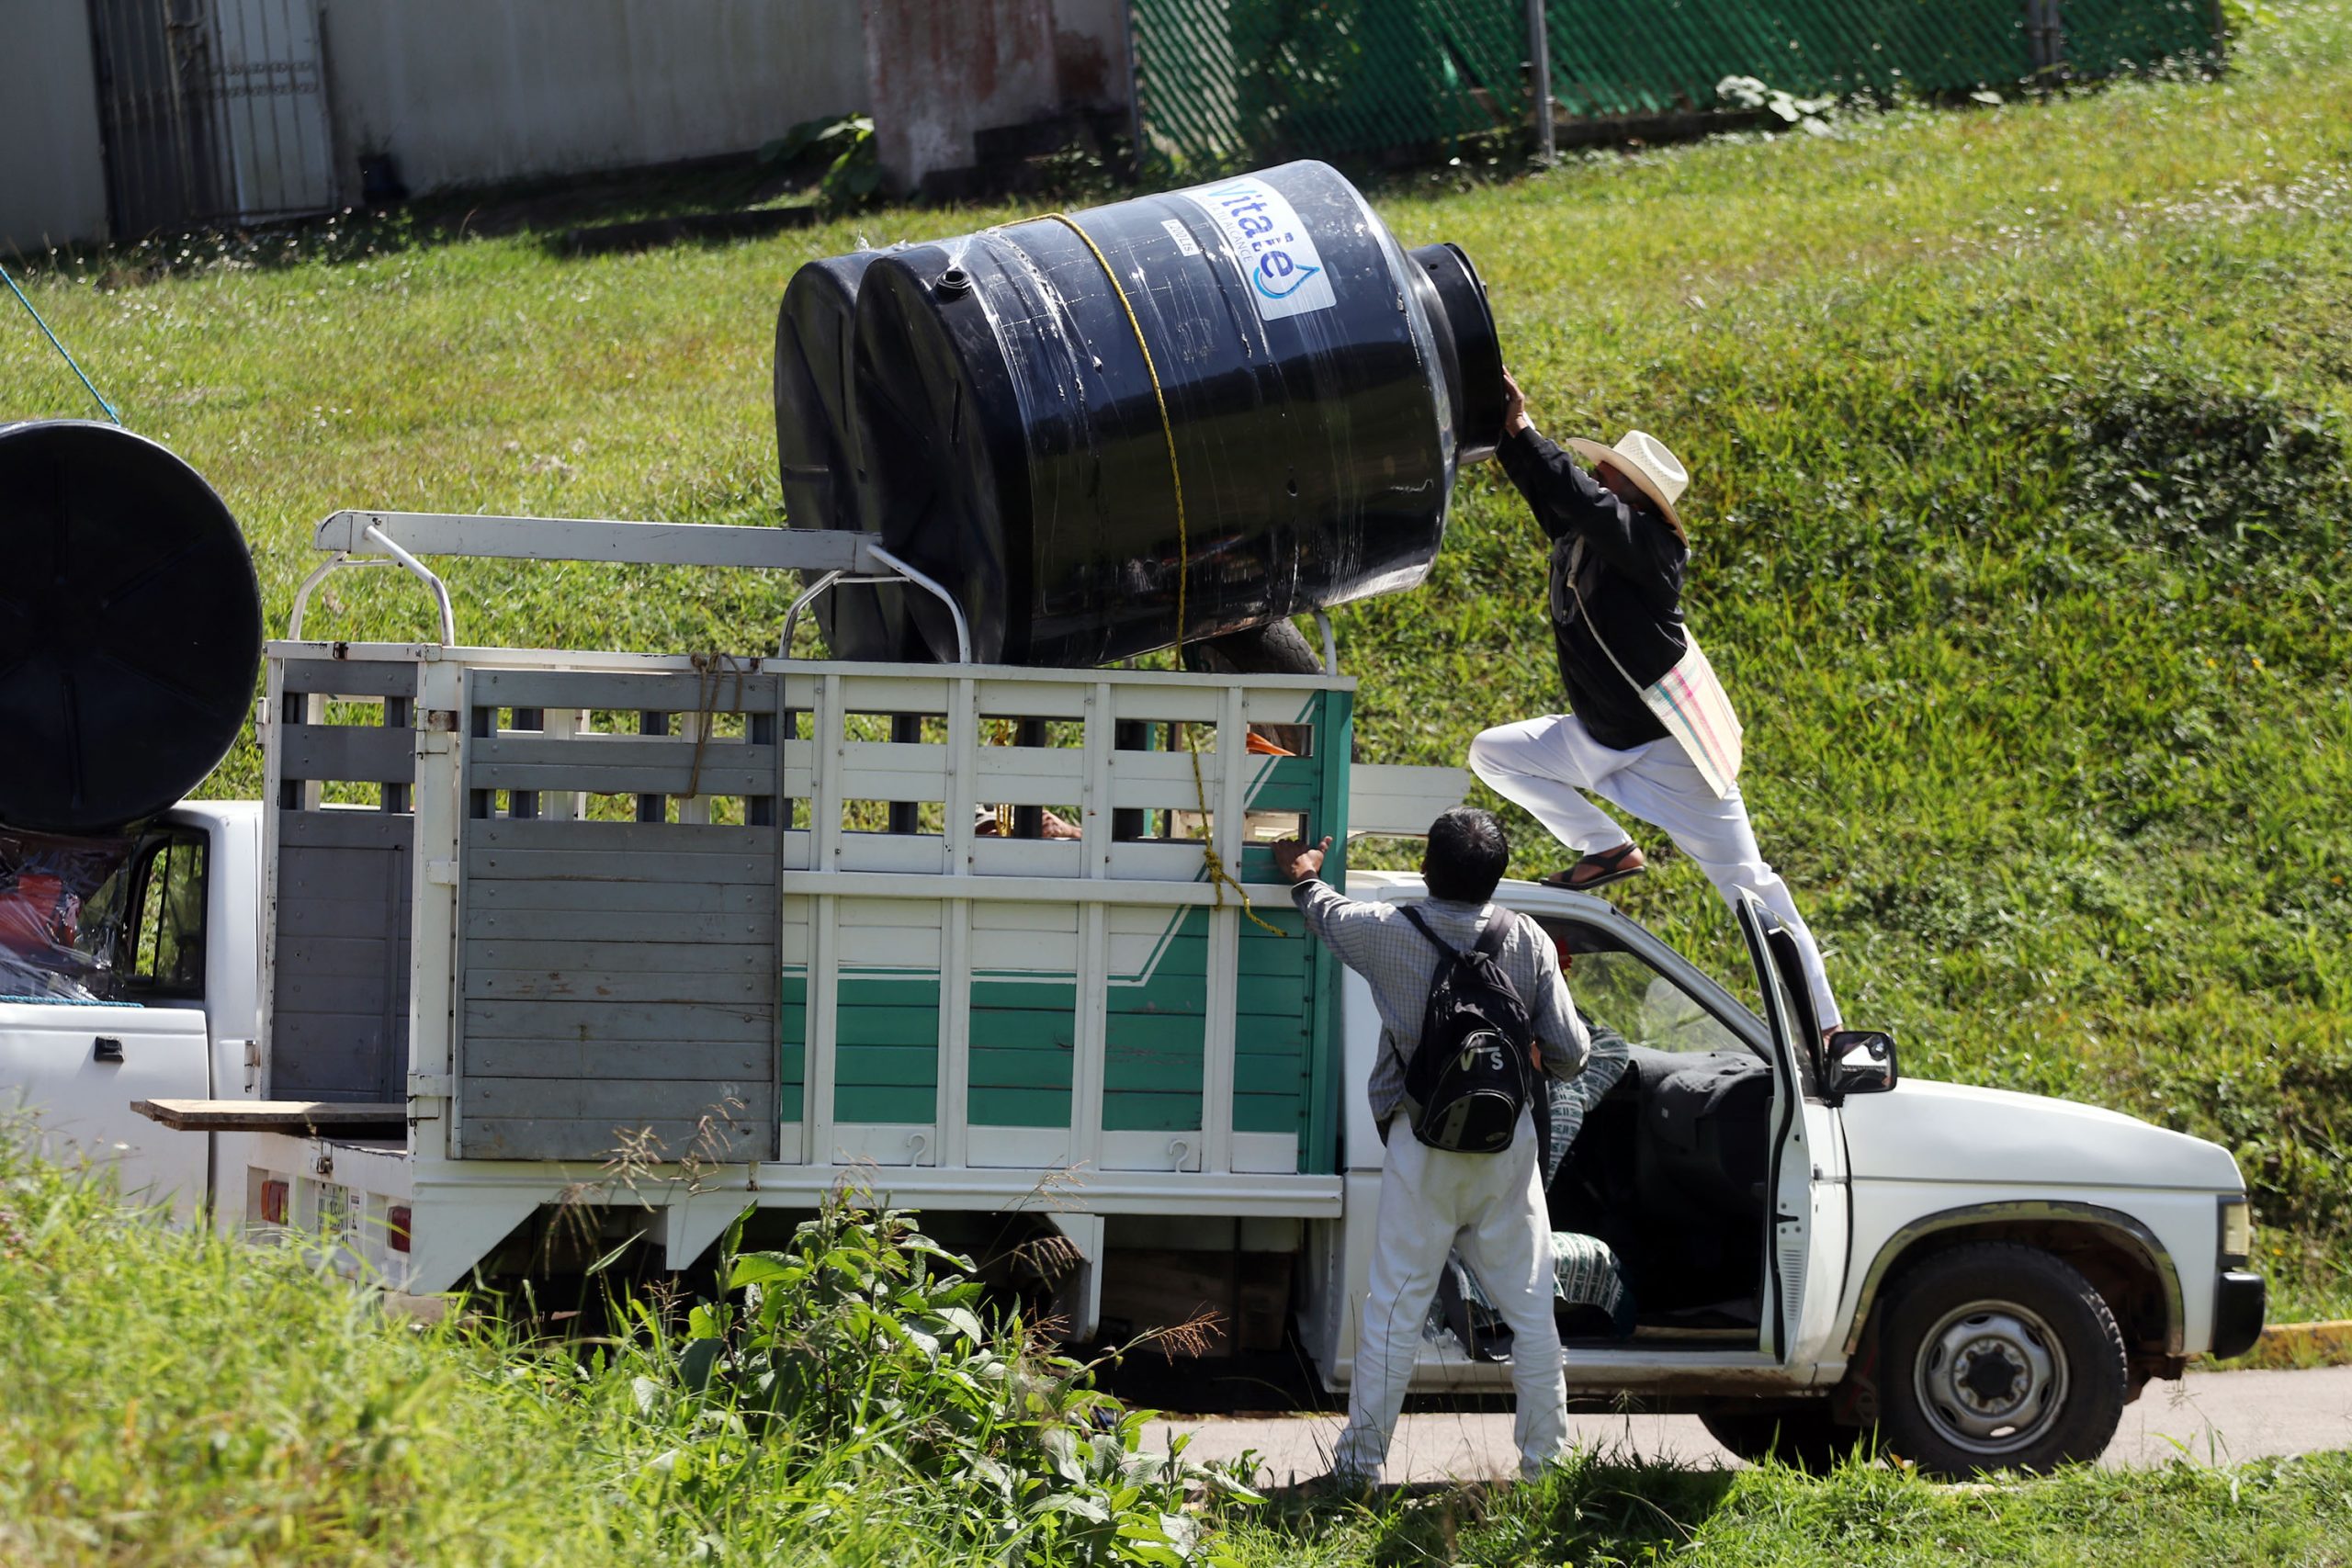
<point x="1642" y="459"/>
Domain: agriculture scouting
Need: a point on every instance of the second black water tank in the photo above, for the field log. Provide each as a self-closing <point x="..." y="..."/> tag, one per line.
<point x="1321" y="388"/>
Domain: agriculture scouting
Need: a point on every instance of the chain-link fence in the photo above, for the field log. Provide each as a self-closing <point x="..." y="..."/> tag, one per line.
<point x="1229" y="82"/>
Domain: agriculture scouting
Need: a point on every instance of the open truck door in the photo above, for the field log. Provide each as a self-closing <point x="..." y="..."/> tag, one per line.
<point x="78" y="1064"/>
<point x="1805" y="1215"/>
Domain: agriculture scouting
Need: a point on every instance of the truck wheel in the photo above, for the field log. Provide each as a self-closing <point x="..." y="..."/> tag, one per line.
<point x="1998" y="1357"/>
<point x="1803" y="1438"/>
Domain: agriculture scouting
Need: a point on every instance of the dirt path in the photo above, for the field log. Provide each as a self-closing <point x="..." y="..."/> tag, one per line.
<point x="2208" y="1418"/>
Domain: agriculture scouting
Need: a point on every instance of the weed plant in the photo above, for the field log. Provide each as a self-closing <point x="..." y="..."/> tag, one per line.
<point x="2018" y="435"/>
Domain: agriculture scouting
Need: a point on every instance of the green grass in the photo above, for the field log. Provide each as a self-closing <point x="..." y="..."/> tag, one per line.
<point x="181" y="1399"/>
<point x="2019" y="441"/>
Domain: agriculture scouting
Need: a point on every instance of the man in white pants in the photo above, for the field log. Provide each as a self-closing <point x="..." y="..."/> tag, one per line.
<point x="1434" y="1202"/>
<point x="1618" y="556"/>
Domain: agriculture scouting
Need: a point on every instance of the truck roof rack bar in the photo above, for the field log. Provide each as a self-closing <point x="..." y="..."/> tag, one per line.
<point x="374" y="538"/>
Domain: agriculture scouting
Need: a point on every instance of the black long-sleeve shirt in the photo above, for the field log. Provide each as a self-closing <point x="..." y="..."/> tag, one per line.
<point x="1629" y="572"/>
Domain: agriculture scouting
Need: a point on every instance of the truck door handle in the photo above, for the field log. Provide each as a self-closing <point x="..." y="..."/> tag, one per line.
<point x="108" y="1049"/>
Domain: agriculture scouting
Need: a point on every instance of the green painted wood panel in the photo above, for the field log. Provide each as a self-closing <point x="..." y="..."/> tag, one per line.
<point x="886" y="1053"/>
<point x="992" y="1107"/>
<point x="1134" y="1112"/>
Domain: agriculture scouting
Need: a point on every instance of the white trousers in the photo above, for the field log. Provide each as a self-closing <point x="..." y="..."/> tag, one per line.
<point x="1547" y="765"/>
<point x="1491" y="1208"/>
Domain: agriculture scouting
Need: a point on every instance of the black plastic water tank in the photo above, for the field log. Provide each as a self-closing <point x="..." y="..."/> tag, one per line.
<point x="129" y="627"/>
<point x="817" y="450"/>
<point x="1321" y="387"/>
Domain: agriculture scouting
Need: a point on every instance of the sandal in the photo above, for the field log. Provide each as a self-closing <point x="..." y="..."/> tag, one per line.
<point x="1608" y="866"/>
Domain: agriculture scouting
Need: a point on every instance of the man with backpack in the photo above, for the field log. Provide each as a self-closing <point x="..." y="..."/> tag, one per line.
<point x="1472" y="1004"/>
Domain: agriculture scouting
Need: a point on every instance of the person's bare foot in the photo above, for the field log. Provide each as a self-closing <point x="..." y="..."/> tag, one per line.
<point x="1599" y="868"/>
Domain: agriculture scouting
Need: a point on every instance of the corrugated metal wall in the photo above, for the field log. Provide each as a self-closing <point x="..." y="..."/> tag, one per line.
<point x="1225" y="81"/>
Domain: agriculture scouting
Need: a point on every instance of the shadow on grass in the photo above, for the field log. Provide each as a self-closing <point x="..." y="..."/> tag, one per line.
<point x="1590" y="1508"/>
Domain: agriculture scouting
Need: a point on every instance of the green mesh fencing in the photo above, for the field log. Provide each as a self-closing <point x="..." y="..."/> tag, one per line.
<point x="1233" y="81"/>
<point x="1227" y="82"/>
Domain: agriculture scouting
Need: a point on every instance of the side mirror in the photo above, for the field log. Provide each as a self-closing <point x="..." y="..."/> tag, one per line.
<point x="1861" y="1061"/>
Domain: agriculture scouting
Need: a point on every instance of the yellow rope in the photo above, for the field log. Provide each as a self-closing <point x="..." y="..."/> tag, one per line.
<point x="1219" y="877"/>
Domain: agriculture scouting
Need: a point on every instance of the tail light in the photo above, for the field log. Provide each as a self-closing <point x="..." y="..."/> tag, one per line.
<point x="273" y="1202"/>
<point x="395" y="1225"/>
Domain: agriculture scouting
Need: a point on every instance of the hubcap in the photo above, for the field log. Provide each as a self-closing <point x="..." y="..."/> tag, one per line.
<point x="1991" y="1377"/>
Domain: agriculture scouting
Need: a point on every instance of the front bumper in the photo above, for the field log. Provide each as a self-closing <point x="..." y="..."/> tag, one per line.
<point x="2238" y="1303"/>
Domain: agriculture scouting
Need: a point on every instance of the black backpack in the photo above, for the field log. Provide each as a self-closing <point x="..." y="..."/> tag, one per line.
<point x="1471" y="1076"/>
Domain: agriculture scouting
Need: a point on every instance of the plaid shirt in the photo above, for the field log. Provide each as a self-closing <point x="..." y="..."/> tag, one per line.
<point x="1378" y="942"/>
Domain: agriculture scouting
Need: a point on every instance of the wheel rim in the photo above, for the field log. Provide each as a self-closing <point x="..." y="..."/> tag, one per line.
<point x="1991" y="1377"/>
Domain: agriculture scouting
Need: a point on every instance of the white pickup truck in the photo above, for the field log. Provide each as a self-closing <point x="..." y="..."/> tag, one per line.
<point x="528" y="955"/>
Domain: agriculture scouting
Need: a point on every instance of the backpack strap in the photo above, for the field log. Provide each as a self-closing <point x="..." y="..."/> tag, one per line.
<point x="1421" y="926"/>
<point x="1498" y="930"/>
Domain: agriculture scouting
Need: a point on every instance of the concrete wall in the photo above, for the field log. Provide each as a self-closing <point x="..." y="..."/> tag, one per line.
<point x="53" y="174"/>
<point x="462" y="91"/>
<point x="939" y="73"/>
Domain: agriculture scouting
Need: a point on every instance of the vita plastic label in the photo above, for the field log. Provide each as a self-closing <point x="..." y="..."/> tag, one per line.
<point x="1279" y="262"/>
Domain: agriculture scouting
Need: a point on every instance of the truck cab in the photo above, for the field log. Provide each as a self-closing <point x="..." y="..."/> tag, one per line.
<point x="157" y="999"/>
<point x="1815" y="1246"/>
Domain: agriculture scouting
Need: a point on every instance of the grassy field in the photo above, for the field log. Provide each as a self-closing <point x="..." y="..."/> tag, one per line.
<point x="190" y="1400"/>
<point x="2019" y="440"/>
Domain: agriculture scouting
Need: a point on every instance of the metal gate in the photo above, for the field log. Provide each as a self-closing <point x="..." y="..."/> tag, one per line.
<point x="213" y="111"/>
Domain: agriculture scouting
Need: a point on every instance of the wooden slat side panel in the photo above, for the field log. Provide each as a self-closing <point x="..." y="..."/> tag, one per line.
<point x="618" y="979"/>
<point x="341" y="971"/>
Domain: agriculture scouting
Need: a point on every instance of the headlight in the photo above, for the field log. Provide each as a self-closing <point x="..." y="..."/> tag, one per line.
<point x="2237" y="1232"/>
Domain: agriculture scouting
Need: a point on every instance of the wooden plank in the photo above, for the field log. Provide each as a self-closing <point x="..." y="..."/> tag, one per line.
<point x="662" y="839"/>
<point x="1268" y="1113"/>
<point x="892" y="1066"/>
<point x="891" y="855"/>
<point x="376" y="918"/>
<point x="617" y="925"/>
<point x="304" y="1116"/>
<point x="1130" y="1111"/>
<point x="862" y="694"/>
<point x="625" y="957"/>
<point x="999" y="700"/>
<point x="589" y="985"/>
<point x="353" y="752"/>
<point x="550" y="1138"/>
<point x="739" y="1061"/>
<point x="718" y="777"/>
<point x="621" y="1102"/>
<point x="342" y="828"/>
<point x="1130" y="1074"/>
<point x="311" y="956"/>
<point x="591" y="748"/>
<point x="615" y="1021"/>
<point x="864" y="1103"/>
<point x="861" y="1024"/>
<point x="349" y="677"/>
<point x="1024" y="1029"/>
<point x="1019" y="1069"/>
<point x="685" y="691"/>
<point x="369" y="991"/>
<point x="1058" y="994"/>
<point x="606" y="869"/>
<point x="994" y="1107"/>
<point x="662" y="897"/>
<point x="1198" y="703"/>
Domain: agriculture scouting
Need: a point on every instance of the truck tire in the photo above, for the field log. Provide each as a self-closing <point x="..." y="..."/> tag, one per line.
<point x="1803" y="1438"/>
<point x="1998" y="1357"/>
